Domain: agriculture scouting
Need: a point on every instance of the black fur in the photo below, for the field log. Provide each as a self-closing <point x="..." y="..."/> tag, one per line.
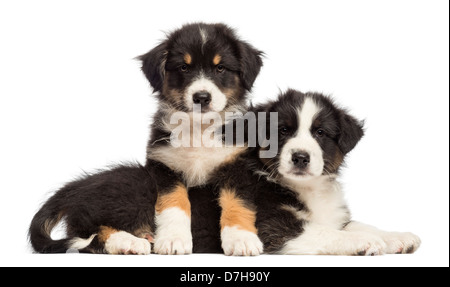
<point x="124" y="197"/>
<point x="119" y="198"/>
<point x="249" y="174"/>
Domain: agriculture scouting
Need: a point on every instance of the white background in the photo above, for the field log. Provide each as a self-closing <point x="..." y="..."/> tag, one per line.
<point x="72" y="98"/>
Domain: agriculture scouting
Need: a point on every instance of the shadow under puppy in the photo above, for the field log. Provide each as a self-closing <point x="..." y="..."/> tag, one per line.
<point x="119" y="211"/>
<point x="291" y="197"/>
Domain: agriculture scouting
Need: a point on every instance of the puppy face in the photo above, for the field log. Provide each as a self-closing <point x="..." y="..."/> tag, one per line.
<point x="204" y="65"/>
<point x="314" y="136"/>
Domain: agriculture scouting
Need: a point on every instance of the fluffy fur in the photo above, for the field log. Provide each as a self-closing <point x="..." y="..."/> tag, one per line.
<point x="298" y="199"/>
<point x="114" y="211"/>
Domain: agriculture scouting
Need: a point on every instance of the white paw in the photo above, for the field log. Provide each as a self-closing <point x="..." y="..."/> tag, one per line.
<point x="238" y="242"/>
<point x="173" y="233"/>
<point x="368" y="245"/>
<point x="401" y="242"/>
<point x="173" y="245"/>
<point x="125" y="243"/>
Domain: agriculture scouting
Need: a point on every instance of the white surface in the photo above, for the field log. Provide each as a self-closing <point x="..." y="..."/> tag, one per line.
<point x="72" y="98"/>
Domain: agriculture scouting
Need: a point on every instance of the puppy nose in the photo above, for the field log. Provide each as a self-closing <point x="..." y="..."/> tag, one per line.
<point x="300" y="159"/>
<point x="203" y="98"/>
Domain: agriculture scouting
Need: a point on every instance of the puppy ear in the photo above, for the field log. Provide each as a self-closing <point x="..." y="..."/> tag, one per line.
<point x="351" y="132"/>
<point x="251" y="63"/>
<point x="154" y="65"/>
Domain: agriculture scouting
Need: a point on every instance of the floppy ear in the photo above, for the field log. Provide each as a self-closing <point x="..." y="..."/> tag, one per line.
<point x="251" y="63"/>
<point x="351" y="132"/>
<point x="154" y="65"/>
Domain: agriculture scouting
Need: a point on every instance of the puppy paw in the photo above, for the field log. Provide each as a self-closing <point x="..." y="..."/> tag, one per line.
<point x="369" y="245"/>
<point x="167" y="245"/>
<point x="401" y="242"/>
<point x="238" y="242"/>
<point x="125" y="243"/>
<point x="173" y="233"/>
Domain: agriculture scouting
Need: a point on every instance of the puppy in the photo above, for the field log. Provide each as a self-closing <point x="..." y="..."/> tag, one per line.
<point x="203" y="71"/>
<point x="198" y="72"/>
<point x="292" y="198"/>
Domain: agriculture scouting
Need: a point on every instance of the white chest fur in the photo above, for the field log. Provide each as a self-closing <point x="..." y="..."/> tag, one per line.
<point x="195" y="148"/>
<point x="324" y="201"/>
<point x="195" y="163"/>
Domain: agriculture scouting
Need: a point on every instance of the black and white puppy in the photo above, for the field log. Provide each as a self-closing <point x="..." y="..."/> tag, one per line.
<point x="198" y="72"/>
<point x="293" y="199"/>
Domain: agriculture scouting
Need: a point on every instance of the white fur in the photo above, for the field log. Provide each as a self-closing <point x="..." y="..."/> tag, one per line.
<point x="324" y="200"/>
<point x="318" y="239"/>
<point x="173" y="232"/>
<point x="80" y="243"/>
<point x="204" y="36"/>
<point x="303" y="142"/>
<point x="325" y="215"/>
<point x="201" y="156"/>
<point x="194" y="157"/>
<point x="203" y="83"/>
<point x="196" y="164"/>
<point x="238" y="242"/>
<point x="396" y="242"/>
<point x="125" y="243"/>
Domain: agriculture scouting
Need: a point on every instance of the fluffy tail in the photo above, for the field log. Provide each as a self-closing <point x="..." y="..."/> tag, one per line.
<point x="41" y="227"/>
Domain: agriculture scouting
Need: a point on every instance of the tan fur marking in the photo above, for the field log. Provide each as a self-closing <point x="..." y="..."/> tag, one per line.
<point x="217" y="59"/>
<point x="235" y="213"/>
<point x="232" y="157"/>
<point x="188" y="58"/>
<point x="50" y="223"/>
<point x="105" y="232"/>
<point x="178" y="197"/>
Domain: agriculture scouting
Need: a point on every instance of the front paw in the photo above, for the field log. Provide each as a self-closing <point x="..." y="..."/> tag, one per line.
<point x="125" y="243"/>
<point x="367" y="244"/>
<point x="401" y="242"/>
<point x="173" y="233"/>
<point x="173" y="245"/>
<point x="238" y="242"/>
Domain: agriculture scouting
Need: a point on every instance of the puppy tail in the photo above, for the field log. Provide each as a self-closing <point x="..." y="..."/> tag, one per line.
<point x="41" y="227"/>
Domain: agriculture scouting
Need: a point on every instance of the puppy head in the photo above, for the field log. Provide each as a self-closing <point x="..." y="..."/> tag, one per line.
<point x="314" y="136"/>
<point x="202" y="64"/>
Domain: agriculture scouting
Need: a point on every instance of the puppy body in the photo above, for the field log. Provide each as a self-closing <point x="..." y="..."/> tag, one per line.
<point x="121" y="210"/>
<point x="297" y="200"/>
<point x="97" y="206"/>
<point x="203" y="71"/>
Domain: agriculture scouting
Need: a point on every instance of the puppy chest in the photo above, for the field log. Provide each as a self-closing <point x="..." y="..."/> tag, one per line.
<point x="325" y="205"/>
<point x="196" y="164"/>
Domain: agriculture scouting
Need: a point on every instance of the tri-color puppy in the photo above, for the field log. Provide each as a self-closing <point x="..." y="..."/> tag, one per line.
<point x="199" y="71"/>
<point x="293" y="199"/>
<point x="203" y="66"/>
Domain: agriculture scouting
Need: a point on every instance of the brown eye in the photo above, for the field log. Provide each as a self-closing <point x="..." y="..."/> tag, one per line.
<point x="220" y="68"/>
<point x="284" y="131"/>
<point x="320" y="133"/>
<point x="184" y="68"/>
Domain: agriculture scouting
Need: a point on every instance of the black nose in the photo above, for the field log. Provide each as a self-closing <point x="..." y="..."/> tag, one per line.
<point x="300" y="159"/>
<point x="202" y="98"/>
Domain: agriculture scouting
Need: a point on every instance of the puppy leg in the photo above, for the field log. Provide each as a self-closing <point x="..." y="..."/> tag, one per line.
<point x="397" y="242"/>
<point x="173" y="222"/>
<point x="121" y="242"/>
<point x="239" y="234"/>
<point x="322" y="240"/>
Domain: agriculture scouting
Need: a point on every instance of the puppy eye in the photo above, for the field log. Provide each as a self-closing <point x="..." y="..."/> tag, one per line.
<point x="184" y="68"/>
<point x="320" y="133"/>
<point x="284" y="131"/>
<point x="220" y="68"/>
